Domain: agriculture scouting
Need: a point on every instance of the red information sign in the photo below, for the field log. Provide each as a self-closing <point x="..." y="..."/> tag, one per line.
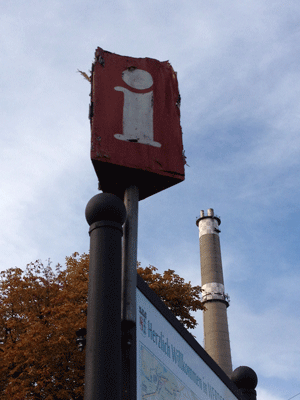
<point x="135" y="124"/>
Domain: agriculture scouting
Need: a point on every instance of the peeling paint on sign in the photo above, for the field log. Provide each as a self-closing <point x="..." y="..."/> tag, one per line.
<point x="135" y="111"/>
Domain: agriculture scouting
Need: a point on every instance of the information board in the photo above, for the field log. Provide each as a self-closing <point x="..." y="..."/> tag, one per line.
<point x="167" y="366"/>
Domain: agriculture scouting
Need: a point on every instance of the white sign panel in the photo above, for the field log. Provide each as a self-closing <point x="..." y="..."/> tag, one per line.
<point x="167" y="367"/>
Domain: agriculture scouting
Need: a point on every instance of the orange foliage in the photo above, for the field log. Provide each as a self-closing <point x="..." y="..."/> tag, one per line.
<point x="40" y="311"/>
<point x="179" y="296"/>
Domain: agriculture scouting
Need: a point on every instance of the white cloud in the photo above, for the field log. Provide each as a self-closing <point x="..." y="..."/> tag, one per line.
<point x="265" y="340"/>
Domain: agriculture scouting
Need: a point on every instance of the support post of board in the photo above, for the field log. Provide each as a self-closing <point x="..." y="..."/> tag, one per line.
<point x="105" y="214"/>
<point x="129" y="281"/>
<point x="129" y="256"/>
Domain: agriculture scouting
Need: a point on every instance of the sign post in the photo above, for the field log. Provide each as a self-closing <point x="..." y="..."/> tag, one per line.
<point x="129" y="254"/>
<point x="128" y="305"/>
<point x="137" y="151"/>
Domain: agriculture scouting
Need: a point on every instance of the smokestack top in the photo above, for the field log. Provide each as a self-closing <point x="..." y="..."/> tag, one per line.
<point x="210" y="214"/>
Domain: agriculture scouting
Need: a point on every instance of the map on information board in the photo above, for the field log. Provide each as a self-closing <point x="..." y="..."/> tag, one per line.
<point x="158" y="382"/>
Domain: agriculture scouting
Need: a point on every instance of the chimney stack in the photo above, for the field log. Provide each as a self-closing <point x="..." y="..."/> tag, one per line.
<point x="216" y="334"/>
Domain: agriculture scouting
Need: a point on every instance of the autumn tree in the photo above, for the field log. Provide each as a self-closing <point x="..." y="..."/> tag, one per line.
<point x="179" y="296"/>
<point x="40" y="310"/>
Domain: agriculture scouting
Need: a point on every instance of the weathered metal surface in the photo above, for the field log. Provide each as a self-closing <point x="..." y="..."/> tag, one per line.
<point x="135" y="124"/>
<point x="214" y="291"/>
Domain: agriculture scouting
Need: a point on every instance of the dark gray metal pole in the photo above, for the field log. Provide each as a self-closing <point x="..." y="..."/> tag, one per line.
<point x="105" y="214"/>
<point x="129" y="259"/>
<point x="129" y="280"/>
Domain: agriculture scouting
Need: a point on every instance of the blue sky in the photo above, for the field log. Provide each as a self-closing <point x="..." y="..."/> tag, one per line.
<point x="239" y="79"/>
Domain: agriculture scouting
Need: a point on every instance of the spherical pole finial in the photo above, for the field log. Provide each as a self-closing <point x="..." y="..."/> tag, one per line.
<point x="246" y="381"/>
<point x="105" y="206"/>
